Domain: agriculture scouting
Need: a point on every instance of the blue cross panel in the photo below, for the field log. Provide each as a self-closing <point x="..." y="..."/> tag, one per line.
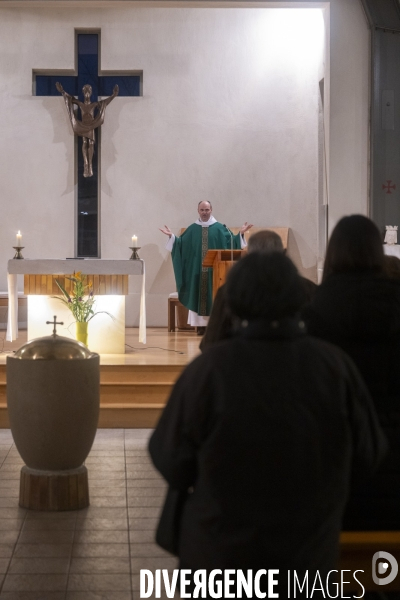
<point x="88" y="72"/>
<point x="102" y="85"/>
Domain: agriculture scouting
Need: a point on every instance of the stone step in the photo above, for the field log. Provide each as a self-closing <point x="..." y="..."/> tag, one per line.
<point x="131" y="396"/>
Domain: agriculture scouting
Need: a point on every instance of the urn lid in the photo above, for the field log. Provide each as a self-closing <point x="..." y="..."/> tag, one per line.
<point x="53" y="347"/>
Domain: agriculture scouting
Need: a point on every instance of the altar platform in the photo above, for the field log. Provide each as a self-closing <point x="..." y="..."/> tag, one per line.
<point x="134" y="386"/>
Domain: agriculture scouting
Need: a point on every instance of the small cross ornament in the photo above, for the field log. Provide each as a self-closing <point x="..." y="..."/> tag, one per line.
<point x="54" y="322"/>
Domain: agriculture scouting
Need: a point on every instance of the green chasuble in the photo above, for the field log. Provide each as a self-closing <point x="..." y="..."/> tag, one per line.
<point x="194" y="282"/>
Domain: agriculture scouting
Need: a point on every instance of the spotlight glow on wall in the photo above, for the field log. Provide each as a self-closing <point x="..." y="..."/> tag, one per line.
<point x="286" y="34"/>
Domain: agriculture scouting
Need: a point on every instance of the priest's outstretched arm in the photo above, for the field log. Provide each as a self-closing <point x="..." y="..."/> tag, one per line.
<point x="245" y="227"/>
<point x="166" y="231"/>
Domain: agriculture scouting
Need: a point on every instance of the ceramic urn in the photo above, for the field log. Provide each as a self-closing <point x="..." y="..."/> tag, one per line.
<point x="53" y="398"/>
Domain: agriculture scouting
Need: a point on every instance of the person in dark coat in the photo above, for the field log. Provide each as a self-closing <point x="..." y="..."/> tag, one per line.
<point x="268" y="428"/>
<point x="392" y="267"/>
<point x="357" y="307"/>
<point x="220" y="324"/>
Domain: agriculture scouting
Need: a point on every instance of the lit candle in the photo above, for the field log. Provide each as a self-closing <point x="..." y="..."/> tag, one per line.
<point x="19" y="239"/>
<point x="134" y="241"/>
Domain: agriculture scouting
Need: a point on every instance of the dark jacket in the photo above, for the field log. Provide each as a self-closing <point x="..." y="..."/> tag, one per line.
<point x="220" y="325"/>
<point x="360" y="312"/>
<point x="268" y="428"/>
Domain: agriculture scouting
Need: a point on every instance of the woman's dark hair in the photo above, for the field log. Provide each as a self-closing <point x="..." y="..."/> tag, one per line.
<point x="264" y="286"/>
<point x="355" y="245"/>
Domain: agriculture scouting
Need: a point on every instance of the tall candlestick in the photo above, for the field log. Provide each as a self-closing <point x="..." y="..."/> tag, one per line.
<point x="19" y="239"/>
<point x="134" y="241"/>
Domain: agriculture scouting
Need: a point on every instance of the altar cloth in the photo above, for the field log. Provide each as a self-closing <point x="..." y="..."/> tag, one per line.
<point x="392" y="250"/>
<point x="67" y="267"/>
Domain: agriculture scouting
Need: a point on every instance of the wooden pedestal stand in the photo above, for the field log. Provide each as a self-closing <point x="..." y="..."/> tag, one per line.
<point x="54" y="490"/>
<point x="221" y="261"/>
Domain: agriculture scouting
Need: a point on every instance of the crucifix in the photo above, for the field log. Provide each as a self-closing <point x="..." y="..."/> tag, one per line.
<point x="54" y="323"/>
<point x="87" y="74"/>
<point x="92" y="117"/>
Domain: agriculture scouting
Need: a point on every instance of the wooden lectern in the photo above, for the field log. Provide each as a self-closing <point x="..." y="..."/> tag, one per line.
<point x="220" y="261"/>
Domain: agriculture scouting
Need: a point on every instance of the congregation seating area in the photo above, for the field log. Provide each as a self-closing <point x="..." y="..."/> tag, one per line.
<point x="127" y="491"/>
<point x="98" y="552"/>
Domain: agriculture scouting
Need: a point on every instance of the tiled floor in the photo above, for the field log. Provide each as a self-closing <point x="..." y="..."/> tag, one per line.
<point x="93" y="554"/>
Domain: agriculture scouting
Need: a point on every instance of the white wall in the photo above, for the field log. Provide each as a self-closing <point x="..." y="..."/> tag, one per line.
<point x="229" y="113"/>
<point x="349" y="110"/>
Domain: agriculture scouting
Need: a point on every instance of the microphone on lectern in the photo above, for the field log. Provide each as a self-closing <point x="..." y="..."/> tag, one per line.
<point x="231" y="234"/>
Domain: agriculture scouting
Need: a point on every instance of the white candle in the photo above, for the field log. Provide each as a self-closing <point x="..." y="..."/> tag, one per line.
<point x="134" y="241"/>
<point x="19" y="239"/>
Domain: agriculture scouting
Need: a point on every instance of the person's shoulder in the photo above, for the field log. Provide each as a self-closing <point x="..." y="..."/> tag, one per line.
<point x="320" y="344"/>
<point x="317" y="353"/>
<point x="364" y="287"/>
<point x="310" y="288"/>
<point x="189" y="229"/>
<point x="201" y="367"/>
<point x="337" y="288"/>
<point x="308" y="283"/>
<point x="322" y="352"/>
<point x="217" y="351"/>
<point x="218" y="229"/>
<point x="221" y="292"/>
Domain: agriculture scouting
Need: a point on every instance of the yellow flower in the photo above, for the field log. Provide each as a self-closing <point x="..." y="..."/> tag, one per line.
<point x="78" y="275"/>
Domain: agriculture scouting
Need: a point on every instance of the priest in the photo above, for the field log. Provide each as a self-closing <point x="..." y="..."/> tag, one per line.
<point x="194" y="282"/>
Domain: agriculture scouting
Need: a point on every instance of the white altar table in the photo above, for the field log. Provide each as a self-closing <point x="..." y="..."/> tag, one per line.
<point x="106" y="332"/>
<point x="392" y="250"/>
